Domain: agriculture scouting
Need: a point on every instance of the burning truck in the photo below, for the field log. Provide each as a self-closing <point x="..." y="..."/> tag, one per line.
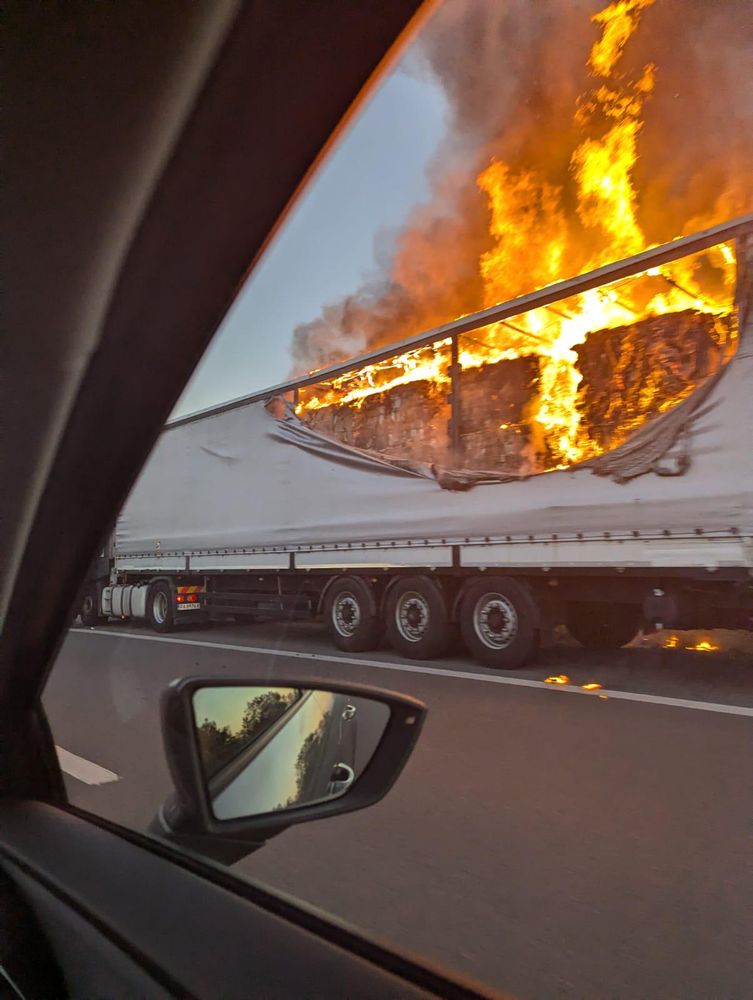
<point x="568" y="450"/>
<point x="253" y="509"/>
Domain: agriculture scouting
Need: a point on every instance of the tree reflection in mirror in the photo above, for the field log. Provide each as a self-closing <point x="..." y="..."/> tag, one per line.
<point x="266" y="749"/>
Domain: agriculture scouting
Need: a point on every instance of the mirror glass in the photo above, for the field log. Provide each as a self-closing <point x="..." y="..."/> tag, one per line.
<point x="266" y="749"/>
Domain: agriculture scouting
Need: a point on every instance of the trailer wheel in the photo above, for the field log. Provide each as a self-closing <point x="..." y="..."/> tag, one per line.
<point x="603" y="626"/>
<point x="417" y="620"/>
<point x="159" y="607"/>
<point x="89" y="611"/>
<point x="499" y="622"/>
<point x="350" y="611"/>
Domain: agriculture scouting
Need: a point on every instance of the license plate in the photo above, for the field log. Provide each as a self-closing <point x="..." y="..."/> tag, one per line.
<point x="189" y="607"/>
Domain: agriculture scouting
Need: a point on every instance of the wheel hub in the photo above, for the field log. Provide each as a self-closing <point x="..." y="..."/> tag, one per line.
<point x="495" y="620"/>
<point x="412" y="616"/>
<point x="159" y="608"/>
<point x="346" y="614"/>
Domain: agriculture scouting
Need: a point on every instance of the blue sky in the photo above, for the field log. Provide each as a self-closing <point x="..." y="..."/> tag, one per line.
<point x="369" y="184"/>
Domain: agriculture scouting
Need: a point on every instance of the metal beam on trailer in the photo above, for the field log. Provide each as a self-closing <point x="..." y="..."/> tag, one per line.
<point x="744" y="293"/>
<point x="609" y="273"/>
<point x="455" y="440"/>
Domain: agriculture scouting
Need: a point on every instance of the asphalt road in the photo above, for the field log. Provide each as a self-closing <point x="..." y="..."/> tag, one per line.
<point x="546" y="841"/>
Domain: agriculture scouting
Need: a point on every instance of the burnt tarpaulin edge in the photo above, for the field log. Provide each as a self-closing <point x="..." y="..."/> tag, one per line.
<point x="289" y="429"/>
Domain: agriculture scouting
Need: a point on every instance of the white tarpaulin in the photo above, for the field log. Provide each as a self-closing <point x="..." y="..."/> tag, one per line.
<point x="243" y="478"/>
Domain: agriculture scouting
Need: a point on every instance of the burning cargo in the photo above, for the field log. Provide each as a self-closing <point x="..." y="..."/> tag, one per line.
<point x="413" y="420"/>
<point x="627" y="375"/>
<point x="581" y="169"/>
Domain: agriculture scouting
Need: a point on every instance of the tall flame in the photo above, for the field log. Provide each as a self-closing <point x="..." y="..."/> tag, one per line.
<point x="620" y="19"/>
<point x="530" y="227"/>
<point x="536" y="242"/>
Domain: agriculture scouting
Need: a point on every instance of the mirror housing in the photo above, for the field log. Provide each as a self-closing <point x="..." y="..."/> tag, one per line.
<point x="186" y="817"/>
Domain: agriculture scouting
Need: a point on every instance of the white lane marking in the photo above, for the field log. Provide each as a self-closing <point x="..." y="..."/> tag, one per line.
<point x="83" y="769"/>
<point x="411" y="668"/>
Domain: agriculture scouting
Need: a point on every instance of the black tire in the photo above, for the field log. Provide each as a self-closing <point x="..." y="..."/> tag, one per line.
<point x="416" y="618"/>
<point x="89" y="611"/>
<point x="603" y="626"/>
<point x="160" y="613"/>
<point x="350" y="611"/>
<point x="499" y="622"/>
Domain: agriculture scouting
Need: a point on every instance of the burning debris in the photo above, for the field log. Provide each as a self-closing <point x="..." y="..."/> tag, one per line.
<point x="714" y="643"/>
<point x="697" y="646"/>
<point x="704" y="646"/>
<point x="564" y="382"/>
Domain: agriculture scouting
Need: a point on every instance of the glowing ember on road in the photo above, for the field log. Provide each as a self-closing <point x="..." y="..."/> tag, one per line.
<point x="704" y="646"/>
<point x="591" y="686"/>
<point x="557" y="679"/>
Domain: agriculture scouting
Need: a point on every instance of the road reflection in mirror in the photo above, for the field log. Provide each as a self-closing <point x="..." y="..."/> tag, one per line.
<point x="267" y="749"/>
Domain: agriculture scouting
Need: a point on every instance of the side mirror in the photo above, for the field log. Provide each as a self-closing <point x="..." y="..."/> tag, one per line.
<point x="249" y="759"/>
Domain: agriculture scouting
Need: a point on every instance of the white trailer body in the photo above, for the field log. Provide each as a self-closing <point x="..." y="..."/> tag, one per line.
<point x="243" y="490"/>
<point x="245" y="510"/>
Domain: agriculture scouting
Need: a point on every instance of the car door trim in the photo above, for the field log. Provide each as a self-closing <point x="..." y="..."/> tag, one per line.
<point x="33" y="855"/>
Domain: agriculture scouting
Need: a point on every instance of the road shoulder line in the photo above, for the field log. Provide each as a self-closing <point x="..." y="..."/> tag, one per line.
<point x="412" y="668"/>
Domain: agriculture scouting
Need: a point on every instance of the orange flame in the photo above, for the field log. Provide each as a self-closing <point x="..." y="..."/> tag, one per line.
<point x="533" y="239"/>
<point x="704" y="646"/>
<point x="620" y="21"/>
<point x="535" y="243"/>
<point x="701" y="646"/>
